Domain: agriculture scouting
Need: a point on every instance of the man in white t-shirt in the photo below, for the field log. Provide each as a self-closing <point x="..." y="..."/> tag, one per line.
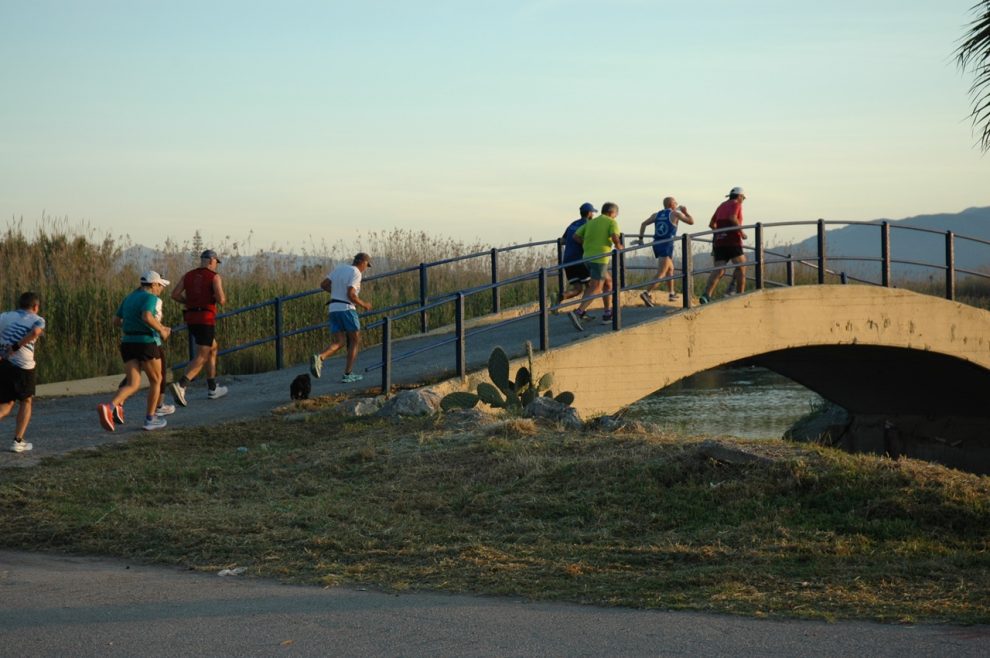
<point x="344" y="286"/>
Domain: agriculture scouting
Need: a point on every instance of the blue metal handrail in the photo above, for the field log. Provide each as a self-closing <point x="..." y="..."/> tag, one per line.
<point x="687" y="274"/>
<point x="425" y="303"/>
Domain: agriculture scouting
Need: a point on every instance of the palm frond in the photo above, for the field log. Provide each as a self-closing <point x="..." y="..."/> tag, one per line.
<point x="973" y="55"/>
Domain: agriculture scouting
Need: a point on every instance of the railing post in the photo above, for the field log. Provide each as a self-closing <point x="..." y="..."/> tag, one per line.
<point x="687" y="280"/>
<point x="616" y="292"/>
<point x="544" y="312"/>
<point x="885" y="254"/>
<point x="950" y="266"/>
<point x="460" y="359"/>
<point x="759" y="256"/>
<point x="279" y="353"/>
<point x="423" y="297"/>
<point x="790" y="270"/>
<point x="496" y="292"/>
<point x="560" y="270"/>
<point x="822" y="261"/>
<point x="622" y="262"/>
<point x="386" y="356"/>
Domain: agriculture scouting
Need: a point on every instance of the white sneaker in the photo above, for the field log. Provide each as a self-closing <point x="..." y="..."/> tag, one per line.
<point x="217" y="393"/>
<point x="20" y="446"/>
<point x="315" y="366"/>
<point x="165" y="410"/>
<point x="156" y="423"/>
<point x="645" y="296"/>
<point x="179" y="393"/>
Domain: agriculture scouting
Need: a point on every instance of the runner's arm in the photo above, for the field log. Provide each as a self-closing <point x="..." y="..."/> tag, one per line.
<point x="652" y="219"/>
<point x="149" y="319"/>
<point x="218" y="293"/>
<point x="357" y="301"/>
<point x="31" y="336"/>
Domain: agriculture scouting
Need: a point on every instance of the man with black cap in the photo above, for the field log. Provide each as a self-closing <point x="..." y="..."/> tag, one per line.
<point x="577" y="274"/>
<point x="344" y="286"/>
<point x="201" y="290"/>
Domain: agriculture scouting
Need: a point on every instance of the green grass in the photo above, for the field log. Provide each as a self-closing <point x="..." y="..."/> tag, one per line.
<point x="633" y="520"/>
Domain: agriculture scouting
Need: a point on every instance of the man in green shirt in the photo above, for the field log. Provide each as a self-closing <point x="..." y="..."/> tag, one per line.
<point x="598" y="237"/>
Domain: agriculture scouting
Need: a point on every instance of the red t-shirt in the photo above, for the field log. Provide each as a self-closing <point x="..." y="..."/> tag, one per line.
<point x="729" y="213"/>
<point x="201" y="305"/>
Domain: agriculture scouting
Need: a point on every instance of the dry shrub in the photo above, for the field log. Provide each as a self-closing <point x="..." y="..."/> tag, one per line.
<point x="512" y="427"/>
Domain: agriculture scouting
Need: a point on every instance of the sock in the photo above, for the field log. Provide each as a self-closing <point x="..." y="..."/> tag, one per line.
<point x="19" y="439"/>
<point x="185" y="381"/>
<point x="212" y="383"/>
<point x="149" y="418"/>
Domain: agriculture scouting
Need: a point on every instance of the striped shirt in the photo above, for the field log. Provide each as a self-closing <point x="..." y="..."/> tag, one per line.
<point x="14" y="326"/>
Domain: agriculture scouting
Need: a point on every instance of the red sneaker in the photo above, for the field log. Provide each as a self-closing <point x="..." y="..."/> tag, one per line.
<point x="106" y="416"/>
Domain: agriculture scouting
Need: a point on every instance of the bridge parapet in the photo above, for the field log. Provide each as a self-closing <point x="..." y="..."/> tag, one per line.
<point x="869" y="349"/>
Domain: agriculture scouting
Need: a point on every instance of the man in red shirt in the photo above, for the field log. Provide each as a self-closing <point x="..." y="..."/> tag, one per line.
<point x="727" y="246"/>
<point x="201" y="290"/>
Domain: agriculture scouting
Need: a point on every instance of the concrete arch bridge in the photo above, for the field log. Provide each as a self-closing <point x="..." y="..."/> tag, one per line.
<point x="913" y="370"/>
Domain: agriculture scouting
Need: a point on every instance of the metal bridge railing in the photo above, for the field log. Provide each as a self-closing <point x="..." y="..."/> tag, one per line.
<point x="762" y="257"/>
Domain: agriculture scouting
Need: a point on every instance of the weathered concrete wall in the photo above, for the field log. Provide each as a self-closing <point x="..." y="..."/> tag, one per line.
<point x="609" y="371"/>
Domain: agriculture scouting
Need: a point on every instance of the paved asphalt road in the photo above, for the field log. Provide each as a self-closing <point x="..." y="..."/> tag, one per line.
<point x="63" y="424"/>
<point x="80" y="606"/>
<point x="71" y="606"/>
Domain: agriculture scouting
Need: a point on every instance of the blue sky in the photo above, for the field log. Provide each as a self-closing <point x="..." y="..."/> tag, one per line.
<point x="302" y="122"/>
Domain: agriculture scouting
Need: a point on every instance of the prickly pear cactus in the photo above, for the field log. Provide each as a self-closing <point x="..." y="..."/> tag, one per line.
<point x="459" y="400"/>
<point x="490" y="395"/>
<point x="498" y="370"/>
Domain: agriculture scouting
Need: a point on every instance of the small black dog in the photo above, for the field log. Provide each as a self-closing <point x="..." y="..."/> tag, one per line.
<point x="300" y="387"/>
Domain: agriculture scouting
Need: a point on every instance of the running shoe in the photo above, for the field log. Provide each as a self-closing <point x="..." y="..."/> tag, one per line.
<point x="179" y="393"/>
<point x="351" y="377"/>
<point x="315" y="365"/>
<point x="118" y="414"/>
<point x="217" y="393"/>
<point x="673" y="297"/>
<point x="20" y="446"/>
<point x="106" y="416"/>
<point x="704" y="299"/>
<point x="575" y="320"/>
<point x="165" y="410"/>
<point x="607" y="318"/>
<point x="154" y="423"/>
<point x="645" y="296"/>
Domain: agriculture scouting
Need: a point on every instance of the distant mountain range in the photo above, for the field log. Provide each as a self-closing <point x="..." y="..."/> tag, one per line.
<point x="906" y="244"/>
<point x="857" y="241"/>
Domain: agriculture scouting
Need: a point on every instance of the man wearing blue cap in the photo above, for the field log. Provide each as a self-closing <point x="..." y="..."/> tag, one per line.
<point x="577" y="274"/>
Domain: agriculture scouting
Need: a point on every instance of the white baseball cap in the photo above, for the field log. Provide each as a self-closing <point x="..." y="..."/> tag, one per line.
<point x="152" y="276"/>
<point x="736" y="190"/>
